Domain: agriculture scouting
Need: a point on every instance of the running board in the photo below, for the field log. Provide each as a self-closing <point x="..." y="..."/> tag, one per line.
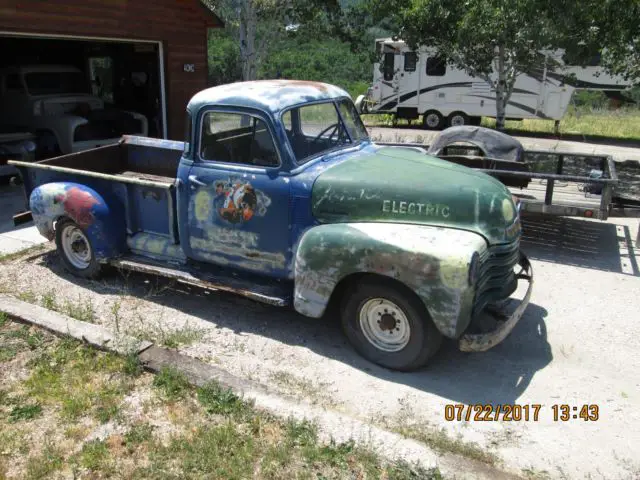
<point x="269" y="291"/>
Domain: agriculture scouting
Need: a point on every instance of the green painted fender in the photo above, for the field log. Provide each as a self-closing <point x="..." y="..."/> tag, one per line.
<point x="431" y="261"/>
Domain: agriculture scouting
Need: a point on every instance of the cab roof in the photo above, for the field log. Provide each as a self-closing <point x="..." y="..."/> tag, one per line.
<point x="269" y="95"/>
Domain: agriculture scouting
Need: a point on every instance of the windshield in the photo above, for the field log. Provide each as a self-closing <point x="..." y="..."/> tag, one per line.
<point x="318" y="128"/>
<point x="47" y="83"/>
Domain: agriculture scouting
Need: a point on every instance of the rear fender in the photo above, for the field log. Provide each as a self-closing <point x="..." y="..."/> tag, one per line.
<point x="104" y="226"/>
<point x="432" y="261"/>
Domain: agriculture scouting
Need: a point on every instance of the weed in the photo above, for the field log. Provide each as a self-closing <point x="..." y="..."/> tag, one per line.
<point x="218" y="400"/>
<point x="440" y="441"/>
<point x="4" y="318"/>
<point x="7" y="257"/>
<point x="49" y="300"/>
<point x="43" y="465"/>
<point x="32" y="339"/>
<point x="27" y="296"/>
<point x="132" y="365"/>
<point x="81" y="310"/>
<point x="7" y="353"/>
<point x="106" y="412"/>
<point x="172" y="383"/>
<point x="302" y="386"/>
<point x="183" y="336"/>
<point x="139" y="434"/>
<point x="25" y="412"/>
<point x="94" y="455"/>
<point x="115" y="311"/>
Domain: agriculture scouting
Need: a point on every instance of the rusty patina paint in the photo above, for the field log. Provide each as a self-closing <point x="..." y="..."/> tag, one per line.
<point x="400" y="185"/>
<point x="480" y="342"/>
<point x="432" y="261"/>
<point x="51" y="201"/>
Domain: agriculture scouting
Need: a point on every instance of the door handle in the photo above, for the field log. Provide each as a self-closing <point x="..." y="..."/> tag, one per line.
<point x="193" y="179"/>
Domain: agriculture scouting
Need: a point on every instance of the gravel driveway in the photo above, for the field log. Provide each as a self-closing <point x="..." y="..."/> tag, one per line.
<point x="578" y="343"/>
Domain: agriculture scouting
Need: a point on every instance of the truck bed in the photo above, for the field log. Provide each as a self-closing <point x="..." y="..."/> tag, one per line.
<point x="133" y="158"/>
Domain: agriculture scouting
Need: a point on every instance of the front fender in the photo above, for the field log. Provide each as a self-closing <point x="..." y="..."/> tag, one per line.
<point x="104" y="226"/>
<point x="431" y="261"/>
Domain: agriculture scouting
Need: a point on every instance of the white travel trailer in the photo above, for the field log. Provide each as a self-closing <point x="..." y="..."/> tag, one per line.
<point x="408" y="84"/>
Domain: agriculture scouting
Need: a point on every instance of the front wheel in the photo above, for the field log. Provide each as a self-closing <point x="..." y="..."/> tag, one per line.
<point x="75" y="250"/>
<point x="389" y="326"/>
<point x="433" y="120"/>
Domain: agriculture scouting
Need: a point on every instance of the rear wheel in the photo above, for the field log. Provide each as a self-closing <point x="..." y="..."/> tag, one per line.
<point x="388" y="325"/>
<point x="458" y="119"/>
<point x="75" y="250"/>
<point x="433" y="120"/>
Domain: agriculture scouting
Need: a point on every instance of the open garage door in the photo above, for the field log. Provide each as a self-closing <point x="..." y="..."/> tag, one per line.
<point x="79" y="93"/>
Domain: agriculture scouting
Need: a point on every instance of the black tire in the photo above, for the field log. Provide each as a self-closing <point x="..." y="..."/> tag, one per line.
<point x="93" y="268"/>
<point x="457" y="119"/>
<point x="433" y="120"/>
<point x="424" y="339"/>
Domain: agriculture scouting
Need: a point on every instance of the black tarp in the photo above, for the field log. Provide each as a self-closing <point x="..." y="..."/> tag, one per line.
<point x="493" y="144"/>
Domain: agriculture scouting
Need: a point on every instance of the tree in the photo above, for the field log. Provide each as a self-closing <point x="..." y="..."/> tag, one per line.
<point x="257" y="24"/>
<point x="605" y="27"/>
<point x="498" y="40"/>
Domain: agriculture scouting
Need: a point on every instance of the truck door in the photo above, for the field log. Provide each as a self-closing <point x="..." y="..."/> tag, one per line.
<point x="237" y="202"/>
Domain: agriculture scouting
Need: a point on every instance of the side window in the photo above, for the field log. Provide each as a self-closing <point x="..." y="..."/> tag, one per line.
<point x="237" y="138"/>
<point x="389" y="60"/>
<point x="12" y="82"/>
<point x="410" y="61"/>
<point x="436" y="66"/>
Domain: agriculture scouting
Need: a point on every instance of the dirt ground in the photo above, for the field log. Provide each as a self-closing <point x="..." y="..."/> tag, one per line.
<point x="576" y="345"/>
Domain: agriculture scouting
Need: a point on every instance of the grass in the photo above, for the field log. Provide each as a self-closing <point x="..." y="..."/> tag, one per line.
<point x="301" y="387"/>
<point x="67" y="389"/>
<point x="172" y="383"/>
<point x="79" y="380"/>
<point x="440" y="441"/>
<point x="8" y="257"/>
<point x="624" y="124"/>
<point x="25" y="412"/>
<point x="618" y="124"/>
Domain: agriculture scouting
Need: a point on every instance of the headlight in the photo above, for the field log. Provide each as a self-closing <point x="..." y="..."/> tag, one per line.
<point x="474" y="268"/>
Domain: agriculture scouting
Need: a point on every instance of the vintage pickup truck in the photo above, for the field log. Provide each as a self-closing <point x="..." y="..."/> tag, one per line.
<point x="278" y="194"/>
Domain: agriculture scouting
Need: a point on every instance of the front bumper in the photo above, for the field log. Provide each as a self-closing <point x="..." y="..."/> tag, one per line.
<point x="480" y="342"/>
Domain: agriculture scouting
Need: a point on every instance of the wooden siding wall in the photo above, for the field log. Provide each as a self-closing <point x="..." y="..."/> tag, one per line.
<point x="181" y="26"/>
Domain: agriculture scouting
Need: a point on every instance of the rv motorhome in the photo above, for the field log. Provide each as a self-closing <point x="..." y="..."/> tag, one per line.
<point x="408" y="84"/>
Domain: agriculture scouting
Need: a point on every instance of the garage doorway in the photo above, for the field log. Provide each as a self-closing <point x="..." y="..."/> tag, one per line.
<point x="96" y="79"/>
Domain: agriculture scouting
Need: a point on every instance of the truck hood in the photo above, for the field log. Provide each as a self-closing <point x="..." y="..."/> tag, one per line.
<point x="402" y="185"/>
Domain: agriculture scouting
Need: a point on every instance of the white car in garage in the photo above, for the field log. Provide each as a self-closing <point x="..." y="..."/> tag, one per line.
<point x="53" y="102"/>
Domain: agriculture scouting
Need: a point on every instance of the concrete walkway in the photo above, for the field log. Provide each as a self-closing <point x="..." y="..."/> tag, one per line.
<point x="13" y="239"/>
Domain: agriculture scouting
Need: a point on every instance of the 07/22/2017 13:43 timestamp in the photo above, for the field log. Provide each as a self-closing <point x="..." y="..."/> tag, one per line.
<point x="515" y="413"/>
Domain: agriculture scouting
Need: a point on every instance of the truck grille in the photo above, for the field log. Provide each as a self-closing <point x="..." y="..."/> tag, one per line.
<point x="496" y="278"/>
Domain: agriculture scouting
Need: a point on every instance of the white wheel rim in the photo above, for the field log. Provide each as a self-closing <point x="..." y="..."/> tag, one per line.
<point x="76" y="247"/>
<point x="433" y="120"/>
<point x="457" y="121"/>
<point x="384" y="325"/>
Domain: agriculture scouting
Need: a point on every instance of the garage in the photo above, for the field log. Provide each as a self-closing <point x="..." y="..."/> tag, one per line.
<point x="76" y="75"/>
